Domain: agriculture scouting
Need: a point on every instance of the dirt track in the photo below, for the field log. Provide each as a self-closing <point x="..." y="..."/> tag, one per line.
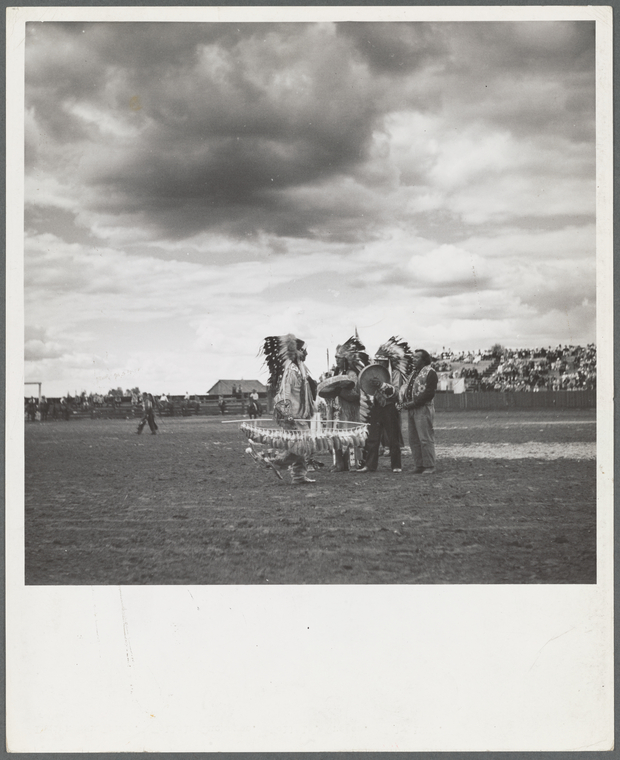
<point x="105" y="506"/>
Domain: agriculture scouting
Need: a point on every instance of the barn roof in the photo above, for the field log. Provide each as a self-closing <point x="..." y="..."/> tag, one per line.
<point x="224" y="387"/>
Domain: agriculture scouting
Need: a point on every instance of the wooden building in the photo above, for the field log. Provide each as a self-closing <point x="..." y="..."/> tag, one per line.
<point x="236" y="387"/>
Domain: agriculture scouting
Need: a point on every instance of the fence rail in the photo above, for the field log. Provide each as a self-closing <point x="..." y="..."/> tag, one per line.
<point x="125" y="410"/>
<point x="444" y="402"/>
<point x="495" y="400"/>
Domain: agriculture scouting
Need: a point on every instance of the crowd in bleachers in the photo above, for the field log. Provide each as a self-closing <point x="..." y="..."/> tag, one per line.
<point x="539" y="369"/>
<point x="468" y="357"/>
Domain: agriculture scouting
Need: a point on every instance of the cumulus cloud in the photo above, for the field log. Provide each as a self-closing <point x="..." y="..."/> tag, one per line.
<point x="39" y="345"/>
<point x="191" y="188"/>
<point x="449" y="264"/>
<point x="176" y="131"/>
<point x="396" y="48"/>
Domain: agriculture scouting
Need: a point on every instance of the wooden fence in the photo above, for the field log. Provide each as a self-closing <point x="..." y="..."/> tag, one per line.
<point x="177" y="408"/>
<point x="444" y="402"/>
<point x="497" y="400"/>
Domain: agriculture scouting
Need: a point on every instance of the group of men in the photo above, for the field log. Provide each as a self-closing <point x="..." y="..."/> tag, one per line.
<point x="412" y="387"/>
<point x="410" y="384"/>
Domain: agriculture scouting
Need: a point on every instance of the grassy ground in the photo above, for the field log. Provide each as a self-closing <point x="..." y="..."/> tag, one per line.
<point x="105" y="506"/>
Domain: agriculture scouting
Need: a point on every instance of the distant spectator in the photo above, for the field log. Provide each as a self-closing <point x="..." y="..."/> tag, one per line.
<point x="254" y="407"/>
<point x="65" y="408"/>
<point x="148" y="414"/>
<point x="31" y="409"/>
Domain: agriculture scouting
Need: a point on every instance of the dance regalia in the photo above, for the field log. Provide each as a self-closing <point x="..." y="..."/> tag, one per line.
<point x="299" y="433"/>
<point x="351" y="359"/>
<point x="383" y="417"/>
<point x="293" y="404"/>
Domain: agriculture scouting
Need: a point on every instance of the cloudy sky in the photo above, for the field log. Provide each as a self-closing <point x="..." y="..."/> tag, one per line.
<point x="192" y="188"/>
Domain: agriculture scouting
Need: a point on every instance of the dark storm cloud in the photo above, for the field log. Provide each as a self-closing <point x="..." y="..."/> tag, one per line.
<point x="529" y="77"/>
<point x="69" y="63"/>
<point x="239" y="127"/>
<point x="396" y="47"/>
<point x="524" y="46"/>
<point x="85" y="52"/>
<point x="226" y="118"/>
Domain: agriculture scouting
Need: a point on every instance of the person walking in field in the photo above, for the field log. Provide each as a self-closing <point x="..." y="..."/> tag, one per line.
<point x="254" y="407"/>
<point x="148" y="414"/>
<point x="416" y="397"/>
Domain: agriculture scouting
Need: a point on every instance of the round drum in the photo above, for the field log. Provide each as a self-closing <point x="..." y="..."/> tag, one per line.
<point x="333" y="385"/>
<point x="372" y="372"/>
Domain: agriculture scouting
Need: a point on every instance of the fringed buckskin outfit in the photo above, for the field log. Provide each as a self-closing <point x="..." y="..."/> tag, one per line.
<point x="417" y="397"/>
<point x="351" y="358"/>
<point x="294" y="397"/>
<point x="384" y="416"/>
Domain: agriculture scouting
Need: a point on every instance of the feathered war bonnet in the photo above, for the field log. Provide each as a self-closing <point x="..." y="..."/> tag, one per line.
<point x="280" y="350"/>
<point x="399" y="354"/>
<point x="354" y="352"/>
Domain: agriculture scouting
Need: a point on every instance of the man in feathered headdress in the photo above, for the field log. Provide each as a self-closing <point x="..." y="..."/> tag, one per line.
<point x="294" y="391"/>
<point x="417" y="395"/>
<point x="396" y="356"/>
<point x="351" y="358"/>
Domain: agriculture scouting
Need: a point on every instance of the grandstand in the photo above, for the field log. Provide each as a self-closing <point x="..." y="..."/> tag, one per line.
<point x="565" y="368"/>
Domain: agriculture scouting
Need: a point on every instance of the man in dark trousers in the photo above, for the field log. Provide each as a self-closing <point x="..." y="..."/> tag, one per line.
<point x="395" y="355"/>
<point x="383" y="419"/>
<point x="148" y="414"/>
<point x="416" y="397"/>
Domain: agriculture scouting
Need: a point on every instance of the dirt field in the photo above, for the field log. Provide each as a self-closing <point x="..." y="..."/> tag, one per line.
<point x="105" y="506"/>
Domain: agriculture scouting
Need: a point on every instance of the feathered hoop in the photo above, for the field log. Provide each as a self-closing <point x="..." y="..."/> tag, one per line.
<point x="278" y="351"/>
<point x="399" y="354"/>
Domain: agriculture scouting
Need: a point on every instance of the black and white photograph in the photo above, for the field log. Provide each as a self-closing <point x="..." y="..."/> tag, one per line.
<point x="315" y="306"/>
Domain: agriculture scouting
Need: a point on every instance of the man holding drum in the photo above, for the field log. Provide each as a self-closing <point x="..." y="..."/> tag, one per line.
<point x="382" y="380"/>
<point x="351" y="358"/>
